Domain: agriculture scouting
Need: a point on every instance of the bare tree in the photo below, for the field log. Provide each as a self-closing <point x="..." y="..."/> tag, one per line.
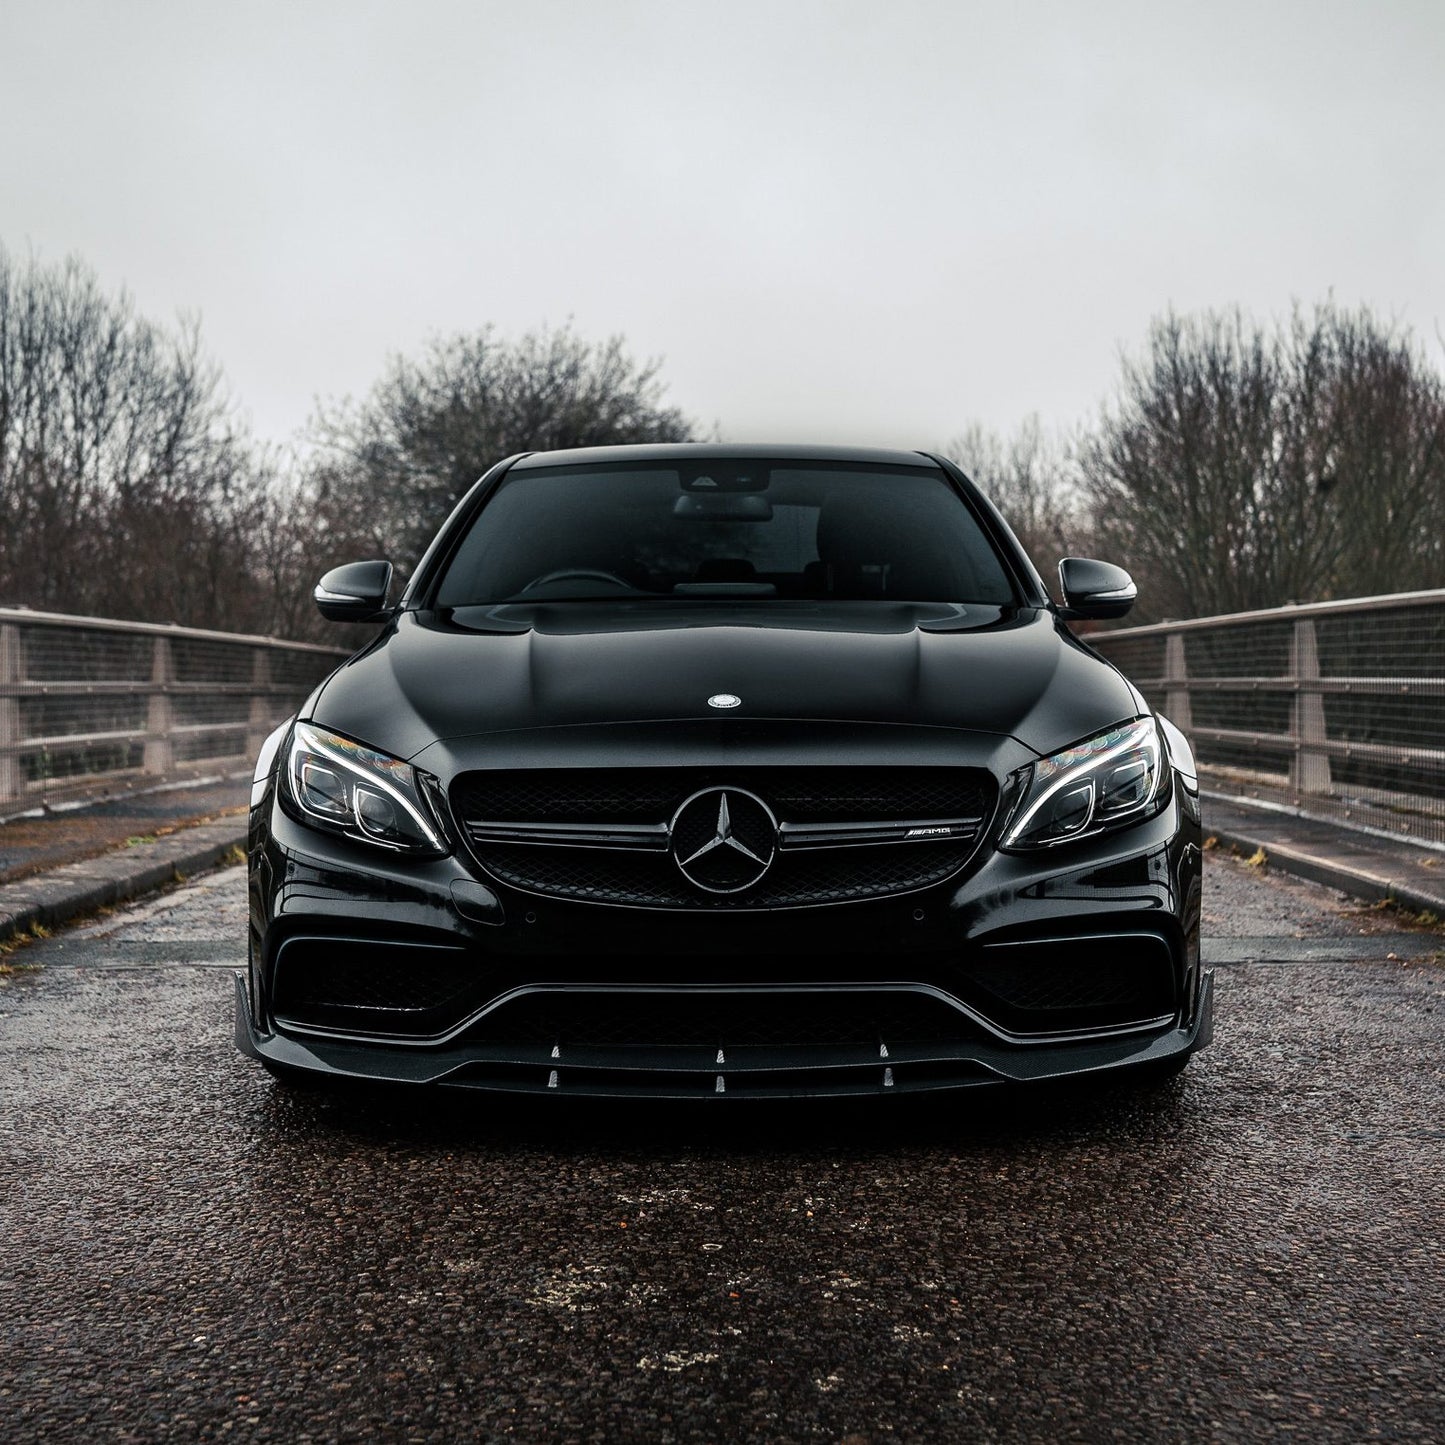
<point x="128" y="487"/>
<point x="386" y="471"/>
<point x="1380" y="459"/>
<point x="124" y="479"/>
<point x="1245" y="466"/>
<point x="1031" y="478"/>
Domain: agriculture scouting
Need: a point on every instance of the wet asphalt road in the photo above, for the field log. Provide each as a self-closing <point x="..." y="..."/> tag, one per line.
<point x="188" y="1253"/>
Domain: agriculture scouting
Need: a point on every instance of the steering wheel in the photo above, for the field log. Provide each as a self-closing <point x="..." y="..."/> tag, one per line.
<point x="580" y="574"/>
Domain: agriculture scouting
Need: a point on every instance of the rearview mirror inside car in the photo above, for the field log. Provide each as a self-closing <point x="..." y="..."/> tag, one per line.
<point x="723" y="507"/>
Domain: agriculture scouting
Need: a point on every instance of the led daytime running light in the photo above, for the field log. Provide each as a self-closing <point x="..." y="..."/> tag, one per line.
<point x="1082" y="768"/>
<point x="362" y="770"/>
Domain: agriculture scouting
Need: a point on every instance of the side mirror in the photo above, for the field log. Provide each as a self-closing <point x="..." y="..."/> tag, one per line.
<point x="355" y="592"/>
<point x="1094" y="589"/>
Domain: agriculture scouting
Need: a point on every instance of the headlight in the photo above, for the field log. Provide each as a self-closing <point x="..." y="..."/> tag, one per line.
<point x="1111" y="780"/>
<point x="344" y="787"/>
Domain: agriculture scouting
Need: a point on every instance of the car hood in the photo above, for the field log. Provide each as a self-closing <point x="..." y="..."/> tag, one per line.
<point x="460" y="673"/>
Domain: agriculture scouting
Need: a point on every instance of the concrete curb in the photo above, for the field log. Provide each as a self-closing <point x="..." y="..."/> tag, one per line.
<point x="1359" y="876"/>
<point x="54" y="898"/>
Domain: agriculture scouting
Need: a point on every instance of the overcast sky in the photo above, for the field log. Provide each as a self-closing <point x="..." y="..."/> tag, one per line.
<point x="829" y="221"/>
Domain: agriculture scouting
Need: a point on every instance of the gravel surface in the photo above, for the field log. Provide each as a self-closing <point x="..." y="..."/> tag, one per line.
<point x="1286" y="907"/>
<point x="190" y="1253"/>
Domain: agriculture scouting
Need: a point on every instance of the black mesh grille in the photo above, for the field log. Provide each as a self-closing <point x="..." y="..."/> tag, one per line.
<point x="652" y="880"/>
<point x="653" y="795"/>
<point x="797" y="878"/>
<point x="723" y="1021"/>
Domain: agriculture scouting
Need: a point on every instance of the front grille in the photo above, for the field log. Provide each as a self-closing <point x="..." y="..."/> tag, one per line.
<point x="638" y="1019"/>
<point x="643" y="873"/>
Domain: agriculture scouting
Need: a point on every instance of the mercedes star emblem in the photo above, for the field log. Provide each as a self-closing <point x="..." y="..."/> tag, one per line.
<point x="724" y="699"/>
<point x="724" y="840"/>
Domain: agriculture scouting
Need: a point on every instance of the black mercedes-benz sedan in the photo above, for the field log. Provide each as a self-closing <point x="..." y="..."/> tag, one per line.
<point x="712" y="770"/>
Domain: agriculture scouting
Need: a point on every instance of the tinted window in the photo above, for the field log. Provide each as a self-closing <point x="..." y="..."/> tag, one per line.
<point x="725" y="528"/>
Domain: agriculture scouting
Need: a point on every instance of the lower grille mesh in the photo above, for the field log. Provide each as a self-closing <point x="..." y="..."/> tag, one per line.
<point x="371" y="987"/>
<point x="1074" y="983"/>
<point x="723" y="1021"/>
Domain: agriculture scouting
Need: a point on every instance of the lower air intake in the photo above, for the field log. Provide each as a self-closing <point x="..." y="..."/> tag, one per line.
<point x="645" y="1019"/>
<point x="405" y="990"/>
<point x="1063" y="985"/>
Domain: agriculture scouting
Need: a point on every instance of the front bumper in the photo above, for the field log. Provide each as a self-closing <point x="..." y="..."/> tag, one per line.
<point x="916" y="957"/>
<point x="696" y="1072"/>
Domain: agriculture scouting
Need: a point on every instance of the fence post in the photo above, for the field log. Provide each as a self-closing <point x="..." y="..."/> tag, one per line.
<point x="1176" y="683"/>
<point x="12" y="667"/>
<point x="259" y="718"/>
<point x="160" y="750"/>
<point x="1311" y="770"/>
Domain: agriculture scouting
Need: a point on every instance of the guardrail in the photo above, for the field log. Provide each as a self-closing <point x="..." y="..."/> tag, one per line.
<point x="1335" y="709"/>
<point x="88" y="704"/>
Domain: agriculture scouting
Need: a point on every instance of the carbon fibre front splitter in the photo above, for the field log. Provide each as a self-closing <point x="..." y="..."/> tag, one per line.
<point x="683" y="1072"/>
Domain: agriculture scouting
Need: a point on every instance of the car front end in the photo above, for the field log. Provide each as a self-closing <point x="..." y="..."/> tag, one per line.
<point x="724" y="843"/>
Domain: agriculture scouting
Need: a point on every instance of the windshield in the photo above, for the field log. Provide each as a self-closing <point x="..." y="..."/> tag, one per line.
<point x="725" y="528"/>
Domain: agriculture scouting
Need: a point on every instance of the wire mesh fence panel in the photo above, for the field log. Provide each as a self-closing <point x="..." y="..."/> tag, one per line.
<point x="90" y="704"/>
<point x="1142" y="658"/>
<point x="1335" y="708"/>
<point x="205" y="660"/>
<point x="68" y="654"/>
<point x="1241" y="707"/>
<point x="1243" y="649"/>
<point x="296" y="671"/>
<point x="1406" y="642"/>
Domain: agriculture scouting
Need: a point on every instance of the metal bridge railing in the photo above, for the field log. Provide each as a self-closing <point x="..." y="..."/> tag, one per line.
<point x="1336" y="709"/>
<point x="89" y="704"/>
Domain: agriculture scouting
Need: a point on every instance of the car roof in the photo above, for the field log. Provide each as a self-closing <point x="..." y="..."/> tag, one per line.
<point x="701" y="451"/>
